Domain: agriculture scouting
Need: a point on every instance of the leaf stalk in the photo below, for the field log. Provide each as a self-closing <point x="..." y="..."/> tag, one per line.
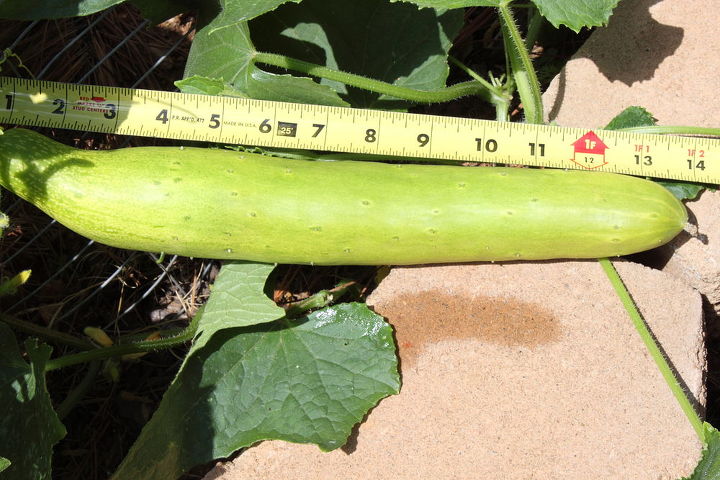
<point x="404" y="93"/>
<point x="184" y="336"/>
<point x="653" y="348"/>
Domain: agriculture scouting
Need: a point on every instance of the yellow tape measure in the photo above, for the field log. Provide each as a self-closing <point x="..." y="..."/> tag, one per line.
<point x="288" y="125"/>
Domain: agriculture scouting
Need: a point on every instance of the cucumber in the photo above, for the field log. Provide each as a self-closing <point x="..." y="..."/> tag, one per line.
<point x="212" y="203"/>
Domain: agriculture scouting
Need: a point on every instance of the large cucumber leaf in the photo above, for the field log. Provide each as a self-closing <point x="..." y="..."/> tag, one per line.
<point x="709" y="466"/>
<point x="225" y="12"/>
<point x="226" y="54"/>
<point x="307" y="380"/>
<point x="395" y="43"/>
<point x="235" y="12"/>
<point x="372" y="38"/>
<point x="47" y="9"/>
<point x="238" y="300"/>
<point x="574" y="14"/>
<point x="29" y="428"/>
<point x="222" y="13"/>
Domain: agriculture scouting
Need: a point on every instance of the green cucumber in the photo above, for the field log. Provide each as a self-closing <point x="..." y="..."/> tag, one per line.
<point x="222" y="204"/>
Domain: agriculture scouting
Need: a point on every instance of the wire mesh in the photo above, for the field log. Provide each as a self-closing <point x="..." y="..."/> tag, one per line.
<point x="76" y="282"/>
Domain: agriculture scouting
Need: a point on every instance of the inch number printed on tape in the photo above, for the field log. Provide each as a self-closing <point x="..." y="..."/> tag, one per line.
<point x="243" y="121"/>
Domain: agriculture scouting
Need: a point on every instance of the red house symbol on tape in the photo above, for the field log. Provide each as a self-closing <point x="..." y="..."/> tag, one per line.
<point x="589" y="151"/>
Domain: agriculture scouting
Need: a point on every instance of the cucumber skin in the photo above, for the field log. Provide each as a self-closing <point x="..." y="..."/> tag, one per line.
<point x="222" y="204"/>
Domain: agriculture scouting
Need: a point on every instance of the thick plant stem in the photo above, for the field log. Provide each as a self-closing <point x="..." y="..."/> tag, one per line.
<point x="653" y="348"/>
<point x="419" y="96"/>
<point x="117" y="350"/>
<point x="522" y="68"/>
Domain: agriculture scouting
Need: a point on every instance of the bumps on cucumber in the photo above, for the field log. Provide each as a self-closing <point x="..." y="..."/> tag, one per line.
<point x="222" y="204"/>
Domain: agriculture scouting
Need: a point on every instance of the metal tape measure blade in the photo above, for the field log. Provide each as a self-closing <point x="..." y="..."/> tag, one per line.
<point x="244" y="121"/>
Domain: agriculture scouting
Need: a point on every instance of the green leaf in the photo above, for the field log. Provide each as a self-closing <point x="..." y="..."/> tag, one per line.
<point x="709" y="466"/>
<point x="238" y="300"/>
<point x="307" y="380"/>
<point x="639" y="117"/>
<point x="4" y="219"/>
<point x="160" y="10"/>
<point x="204" y="86"/>
<point x="4" y="464"/>
<point x="221" y="13"/>
<point x="47" y="9"/>
<point x="372" y="38"/>
<point x="29" y="426"/>
<point x="227" y="54"/>
<point x="10" y="286"/>
<point x="631" y="117"/>
<point x="448" y="4"/>
<point x="235" y="12"/>
<point x="682" y="190"/>
<point x="574" y="14"/>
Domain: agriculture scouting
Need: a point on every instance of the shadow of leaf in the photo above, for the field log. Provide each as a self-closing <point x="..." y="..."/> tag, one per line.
<point x="642" y="43"/>
<point x="31" y="182"/>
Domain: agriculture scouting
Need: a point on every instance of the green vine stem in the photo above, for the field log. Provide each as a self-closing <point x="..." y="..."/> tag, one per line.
<point x="535" y="25"/>
<point x="47" y="333"/>
<point x="77" y="393"/>
<point x="498" y="95"/>
<point x="673" y="130"/>
<point x="321" y="299"/>
<point x="184" y="336"/>
<point x="419" y="96"/>
<point x="522" y="68"/>
<point x="653" y="347"/>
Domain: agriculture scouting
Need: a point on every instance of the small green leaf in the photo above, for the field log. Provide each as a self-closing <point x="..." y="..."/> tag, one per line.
<point x="29" y="428"/>
<point x="709" y="466"/>
<point x="683" y="190"/>
<point x="238" y="300"/>
<point x="204" y="86"/>
<point x="639" y="117"/>
<point x="48" y="9"/>
<point x="306" y="380"/>
<point x="4" y="463"/>
<point x="631" y="117"/>
<point x="10" y="286"/>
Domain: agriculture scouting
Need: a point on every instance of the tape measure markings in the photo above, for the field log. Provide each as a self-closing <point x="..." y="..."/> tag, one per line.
<point x="290" y="125"/>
